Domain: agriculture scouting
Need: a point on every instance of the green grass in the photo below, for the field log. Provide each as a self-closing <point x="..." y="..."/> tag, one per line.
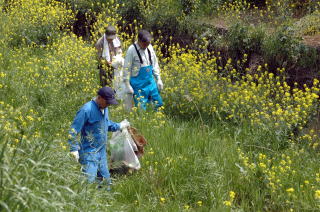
<point x="184" y="163"/>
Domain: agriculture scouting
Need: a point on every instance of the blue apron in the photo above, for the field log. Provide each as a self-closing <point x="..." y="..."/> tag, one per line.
<point x="144" y="86"/>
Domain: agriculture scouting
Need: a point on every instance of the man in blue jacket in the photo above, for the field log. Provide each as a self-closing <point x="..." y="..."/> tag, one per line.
<point x="92" y="123"/>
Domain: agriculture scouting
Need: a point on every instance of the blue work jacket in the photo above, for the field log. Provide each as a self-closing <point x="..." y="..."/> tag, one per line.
<point x="93" y="125"/>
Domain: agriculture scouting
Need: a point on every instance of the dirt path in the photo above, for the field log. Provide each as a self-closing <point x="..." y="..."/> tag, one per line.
<point x="312" y="41"/>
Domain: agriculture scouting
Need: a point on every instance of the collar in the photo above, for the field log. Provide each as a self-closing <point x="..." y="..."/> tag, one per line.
<point x="94" y="100"/>
<point x="139" y="48"/>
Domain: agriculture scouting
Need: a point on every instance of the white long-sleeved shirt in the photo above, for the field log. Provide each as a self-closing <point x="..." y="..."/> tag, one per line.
<point x="113" y="50"/>
<point x="132" y="62"/>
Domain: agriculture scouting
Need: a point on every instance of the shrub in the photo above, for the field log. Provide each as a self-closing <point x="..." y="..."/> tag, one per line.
<point x="281" y="49"/>
<point x="34" y="22"/>
<point x="209" y="7"/>
<point x="164" y="18"/>
<point x="240" y="43"/>
<point x="190" y="6"/>
<point x="308" y="25"/>
<point x="243" y="39"/>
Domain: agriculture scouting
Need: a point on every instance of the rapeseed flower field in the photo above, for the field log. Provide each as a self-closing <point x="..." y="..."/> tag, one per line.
<point x="228" y="138"/>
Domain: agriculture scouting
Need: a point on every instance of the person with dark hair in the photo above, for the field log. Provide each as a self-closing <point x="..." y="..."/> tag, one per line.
<point x="92" y="123"/>
<point x="141" y="72"/>
<point x="109" y="56"/>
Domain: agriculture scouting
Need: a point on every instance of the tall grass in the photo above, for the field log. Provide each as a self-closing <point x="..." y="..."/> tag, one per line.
<point x="183" y="164"/>
<point x="187" y="165"/>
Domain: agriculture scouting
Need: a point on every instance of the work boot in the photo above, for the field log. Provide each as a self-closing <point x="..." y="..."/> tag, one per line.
<point x="105" y="184"/>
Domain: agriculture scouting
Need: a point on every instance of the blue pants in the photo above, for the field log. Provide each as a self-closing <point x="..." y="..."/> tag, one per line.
<point x="94" y="164"/>
<point x="145" y="88"/>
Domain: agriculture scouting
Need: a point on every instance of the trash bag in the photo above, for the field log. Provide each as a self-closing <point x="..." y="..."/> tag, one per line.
<point x="123" y="150"/>
<point x="139" y="141"/>
<point x="118" y="84"/>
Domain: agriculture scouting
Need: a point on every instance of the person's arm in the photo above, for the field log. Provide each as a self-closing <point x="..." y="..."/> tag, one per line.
<point x="113" y="126"/>
<point x="75" y="129"/>
<point x="99" y="47"/>
<point x="156" y="69"/>
<point x="117" y="126"/>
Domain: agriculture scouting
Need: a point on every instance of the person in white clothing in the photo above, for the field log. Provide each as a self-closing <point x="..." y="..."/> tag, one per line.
<point x="109" y="56"/>
<point x="141" y="72"/>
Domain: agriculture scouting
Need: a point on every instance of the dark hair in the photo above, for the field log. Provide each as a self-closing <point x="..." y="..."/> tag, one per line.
<point x="144" y="36"/>
<point x="111" y="30"/>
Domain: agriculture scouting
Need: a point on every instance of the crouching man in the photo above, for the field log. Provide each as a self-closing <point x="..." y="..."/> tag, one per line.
<point x="92" y="123"/>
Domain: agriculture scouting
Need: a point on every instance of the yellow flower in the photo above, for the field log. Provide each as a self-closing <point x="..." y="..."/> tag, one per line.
<point x="317" y="194"/>
<point x="227" y="203"/>
<point x="262" y="165"/>
<point x="232" y="195"/>
<point x="162" y="200"/>
<point x="290" y="190"/>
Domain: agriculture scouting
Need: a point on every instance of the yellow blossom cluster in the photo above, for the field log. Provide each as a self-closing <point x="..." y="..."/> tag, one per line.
<point x="18" y="125"/>
<point x="67" y="64"/>
<point x="40" y="76"/>
<point x="8" y="127"/>
<point x="310" y="137"/>
<point x="110" y="17"/>
<point x="235" y="8"/>
<point x="33" y="22"/>
<point x="281" y="175"/>
<point x="268" y="12"/>
<point x="198" y="83"/>
<point x="73" y="64"/>
<point x="231" y="197"/>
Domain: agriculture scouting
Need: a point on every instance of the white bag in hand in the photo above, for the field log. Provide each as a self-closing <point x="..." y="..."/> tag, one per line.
<point x="122" y="149"/>
<point x="117" y="61"/>
<point x="118" y="85"/>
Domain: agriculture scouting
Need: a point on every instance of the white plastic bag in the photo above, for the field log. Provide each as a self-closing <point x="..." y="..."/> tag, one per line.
<point x="118" y="84"/>
<point x="120" y="88"/>
<point x="122" y="149"/>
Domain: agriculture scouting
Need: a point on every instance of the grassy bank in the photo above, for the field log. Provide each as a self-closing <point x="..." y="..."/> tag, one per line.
<point x="228" y="139"/>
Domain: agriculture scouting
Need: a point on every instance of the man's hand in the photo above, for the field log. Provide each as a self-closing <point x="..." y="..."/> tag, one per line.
<point x="129" y="88"/>
<point x="159" y="84"/>
<point x="124" y="124"/>
<point x="117" y="61"/>
<point x="75" y="154"/>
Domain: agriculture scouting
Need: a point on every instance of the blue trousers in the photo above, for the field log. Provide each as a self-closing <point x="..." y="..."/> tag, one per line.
<point x="94" y="164"/>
